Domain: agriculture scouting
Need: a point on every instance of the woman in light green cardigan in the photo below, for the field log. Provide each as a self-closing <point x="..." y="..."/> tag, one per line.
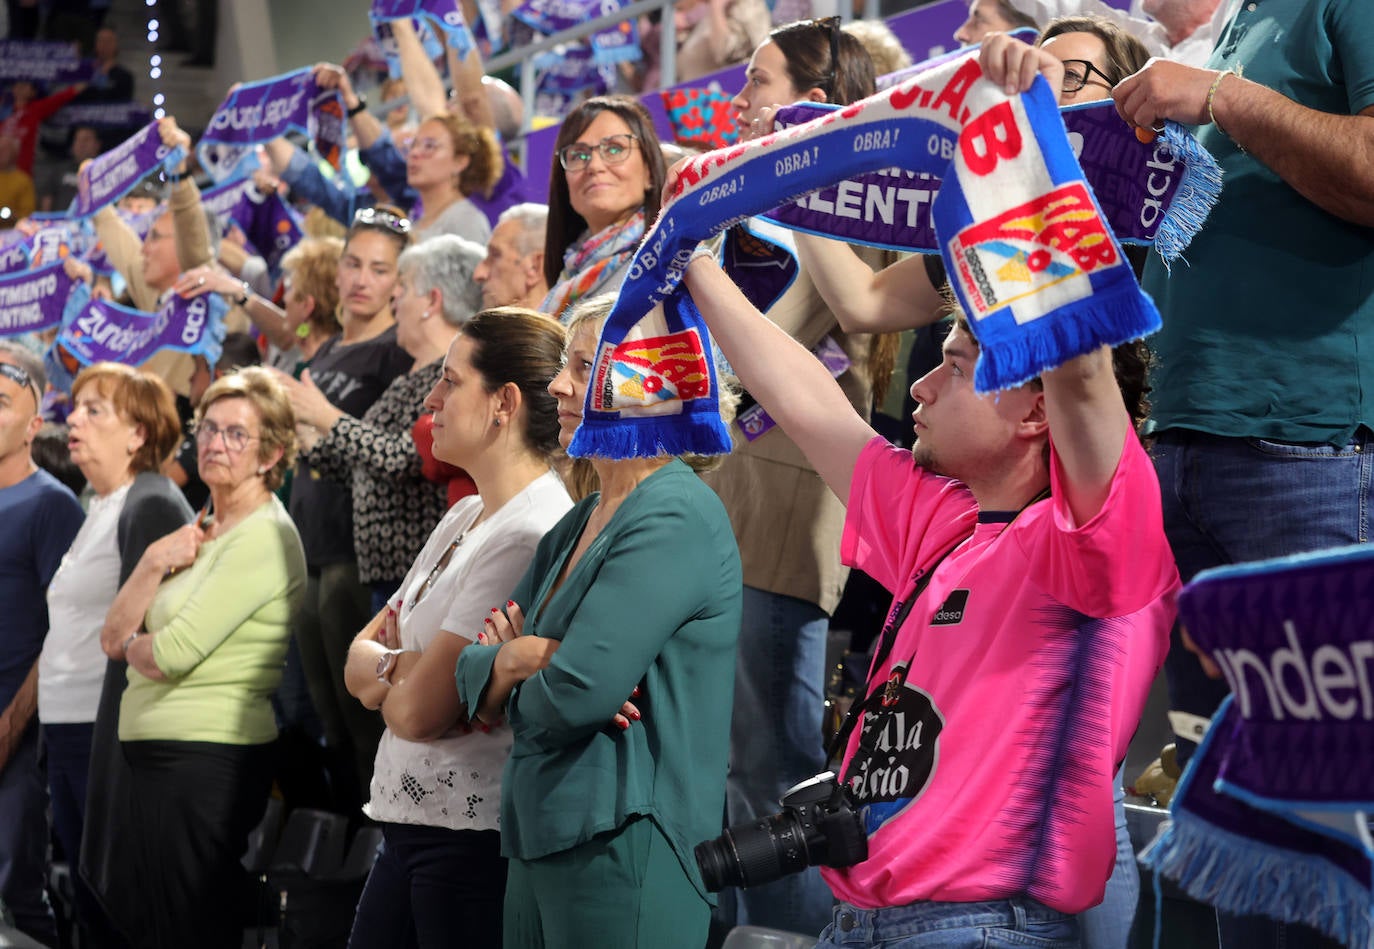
<point x="636" y="592"/>
<point x="205" y="623"/>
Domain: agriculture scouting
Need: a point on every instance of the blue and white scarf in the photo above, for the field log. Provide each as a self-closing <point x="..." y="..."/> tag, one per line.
<point x="1037" y="270"/>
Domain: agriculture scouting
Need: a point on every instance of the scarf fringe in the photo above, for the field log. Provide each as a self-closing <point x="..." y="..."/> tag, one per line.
<point x="1240" y="875"/>
<point x="688" y="433"/>
<point x="1198" y="191"/>
<point x="1077" y="328"/>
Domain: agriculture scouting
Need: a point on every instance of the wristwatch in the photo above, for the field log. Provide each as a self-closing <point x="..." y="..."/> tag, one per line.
<point x="386" y="664"/>
<point x="357" y="109"/>
<point x="243" y="298"/>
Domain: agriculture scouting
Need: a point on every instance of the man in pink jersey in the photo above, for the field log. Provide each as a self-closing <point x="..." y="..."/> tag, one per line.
<point x="1029" y="533"/>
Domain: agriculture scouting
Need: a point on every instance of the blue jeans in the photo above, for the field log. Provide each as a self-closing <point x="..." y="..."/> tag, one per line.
<point x="1233" y="500"/>
<point x="1108" y="924"/>
<point x="429" y="884"/>
<point x="998" y="924"/>
<point x="775" y="741"/>
<point x="24" y="841"/>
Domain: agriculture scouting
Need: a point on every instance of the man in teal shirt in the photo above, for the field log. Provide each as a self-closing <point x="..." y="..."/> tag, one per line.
<point x="1263" y="388"/>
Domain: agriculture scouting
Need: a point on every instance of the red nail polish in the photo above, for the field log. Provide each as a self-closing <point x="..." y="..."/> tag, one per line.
<point x="636" y="693"/>
<point x="481" y="637"/>
<point x="495" y="610"/>
<point x="510" y="604"/>
<point x="635" y="715"/>
<point x="622" y="725"/>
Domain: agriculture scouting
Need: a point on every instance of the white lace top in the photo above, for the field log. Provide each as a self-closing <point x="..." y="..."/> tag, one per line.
<point x="455" y="781"/>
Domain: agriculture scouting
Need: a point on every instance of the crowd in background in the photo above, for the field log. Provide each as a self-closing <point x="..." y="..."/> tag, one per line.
<point x="350" y="563"/>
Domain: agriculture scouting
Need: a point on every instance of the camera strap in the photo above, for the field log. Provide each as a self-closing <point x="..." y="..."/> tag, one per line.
<point x="889" y="637"/>
<point x="885" y="644"/>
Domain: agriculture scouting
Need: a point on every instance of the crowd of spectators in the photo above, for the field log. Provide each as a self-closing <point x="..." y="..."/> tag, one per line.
<point x="350" y="563"/>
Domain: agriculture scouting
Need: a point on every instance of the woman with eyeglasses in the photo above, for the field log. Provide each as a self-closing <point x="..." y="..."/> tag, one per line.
<point x="604" y="188"/>
<point x="437" y="782"/>
<point x="203" y="621"/>
<point x="349" y="373"/>
<point x="787" y="522"/>
<point x="122" y="428"/>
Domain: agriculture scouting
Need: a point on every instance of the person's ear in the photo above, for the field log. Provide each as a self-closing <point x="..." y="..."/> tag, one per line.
<point x="816" y="94"/>
<point x="508" y="398"/>
<point x="534" y="269"/>
<point x="1035" y="422"/>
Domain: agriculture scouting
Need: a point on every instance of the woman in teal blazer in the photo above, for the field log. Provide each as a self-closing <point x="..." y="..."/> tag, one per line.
<point x="636" y="592"/>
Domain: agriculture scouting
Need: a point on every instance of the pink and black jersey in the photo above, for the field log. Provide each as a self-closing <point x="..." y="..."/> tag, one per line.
<point x="984" y="763"/>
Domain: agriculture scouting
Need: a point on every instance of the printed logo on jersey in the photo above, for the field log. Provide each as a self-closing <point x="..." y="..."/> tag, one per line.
<point x="898" y="749"/>
<point x="951" y="612"/>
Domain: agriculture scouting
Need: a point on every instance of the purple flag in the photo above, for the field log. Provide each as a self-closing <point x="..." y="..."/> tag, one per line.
<point x="269" y="223"/>
<point x="257" y="112"/>
<point x="619" y="43"/>
<point x="34" y="300"/>
<point x="111" y="176"/>
<point x="115" y="115"/>
<point x="1156" y="194"/>
<point x="100" y="331"/>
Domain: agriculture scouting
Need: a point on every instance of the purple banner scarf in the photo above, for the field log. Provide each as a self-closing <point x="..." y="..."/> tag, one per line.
<point x="15" y="252"/>
<point x="60" y="237"/>
<point x="444" y="14"/>
<point x="1037" y="270"/>
<point x="615" y="44"/>
<point x="42" y="61"/>
<point x="257" y="112"/>
<point x="117" y="115"/>
<point x="1272" y="814"/>
<point x="1157" y="194"/>
<point x="100" y="331"/>
<point x="115" y="173"/>
<point x="268" y="222"/>
<point x="34" y="300"/>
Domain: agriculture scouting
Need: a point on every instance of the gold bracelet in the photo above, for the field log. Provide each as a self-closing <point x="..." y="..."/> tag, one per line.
<point x="1212" y="94"/>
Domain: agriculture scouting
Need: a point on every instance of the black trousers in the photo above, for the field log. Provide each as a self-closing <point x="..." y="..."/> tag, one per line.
<point x="191" y="806"/>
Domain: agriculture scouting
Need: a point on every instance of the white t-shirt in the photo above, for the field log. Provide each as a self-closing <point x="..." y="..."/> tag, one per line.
<point x="71" y="668"/>
<point x="455" y="781"/>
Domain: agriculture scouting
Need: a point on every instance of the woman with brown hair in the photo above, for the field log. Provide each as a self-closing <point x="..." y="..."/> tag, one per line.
<point x="450" y="158"/>
<point x="122" y="427"/>
<point x="203" y="622"/>
<point x="436" y="785"/>
<point x="604" y="189"/>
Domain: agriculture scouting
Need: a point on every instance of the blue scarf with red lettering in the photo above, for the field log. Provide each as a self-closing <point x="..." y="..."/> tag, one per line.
<point x="1035" y="266"/>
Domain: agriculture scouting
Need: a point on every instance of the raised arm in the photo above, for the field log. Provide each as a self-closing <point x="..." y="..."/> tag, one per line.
<point x="365" y="126"/>
<point x="1088" y="424"/>
<point x="467" y="86"/>
<point x="424" y="85"/>
<point x="789" y="382"/>
<point x="1327" y="158"/>
<point x="901" y="296"/>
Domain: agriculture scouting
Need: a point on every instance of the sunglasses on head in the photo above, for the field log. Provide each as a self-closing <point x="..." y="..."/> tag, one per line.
<point x="379" y="217"/>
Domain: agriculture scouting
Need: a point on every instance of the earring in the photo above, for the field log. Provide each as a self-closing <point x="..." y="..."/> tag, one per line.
<point x="424" y="315"/>
<point x="496" y="423"/>
<point x="264" y="469"/>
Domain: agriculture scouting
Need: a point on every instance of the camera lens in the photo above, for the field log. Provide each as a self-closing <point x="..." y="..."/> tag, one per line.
<point x="751" y="854"/>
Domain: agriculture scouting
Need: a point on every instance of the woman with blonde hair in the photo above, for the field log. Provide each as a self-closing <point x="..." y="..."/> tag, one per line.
<point x="203" y="622"/>
<point x="600" y="805"/>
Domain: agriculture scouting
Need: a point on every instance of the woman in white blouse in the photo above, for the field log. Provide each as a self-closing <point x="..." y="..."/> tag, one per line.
<point x="436" y="784"/>
<point x="122" y="427"/>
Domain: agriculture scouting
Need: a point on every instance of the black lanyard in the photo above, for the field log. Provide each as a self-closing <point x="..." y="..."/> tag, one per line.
<point x="889" y="637"/>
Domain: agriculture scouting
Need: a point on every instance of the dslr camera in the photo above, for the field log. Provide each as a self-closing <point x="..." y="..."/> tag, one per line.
<point x="817" y="826"/>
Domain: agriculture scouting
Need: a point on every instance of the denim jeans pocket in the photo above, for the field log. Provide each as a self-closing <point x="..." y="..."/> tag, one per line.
<point x="1308" y="451"/>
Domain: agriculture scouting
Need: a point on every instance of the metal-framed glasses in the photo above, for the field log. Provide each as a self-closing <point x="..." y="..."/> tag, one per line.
<point x="236" y="439"/>
<point x="1077" y="72"/>
<point x="613" y="150"/>
<point x="380" y="217"/>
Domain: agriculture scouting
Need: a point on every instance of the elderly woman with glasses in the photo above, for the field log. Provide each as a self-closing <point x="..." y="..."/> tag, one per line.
<point x="203" y="621"/>
<point x="604" y="187"/>
<point x="122" y="428"/>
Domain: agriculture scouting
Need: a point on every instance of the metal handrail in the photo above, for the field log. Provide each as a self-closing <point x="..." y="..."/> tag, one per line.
<point x="524" y="56"/>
